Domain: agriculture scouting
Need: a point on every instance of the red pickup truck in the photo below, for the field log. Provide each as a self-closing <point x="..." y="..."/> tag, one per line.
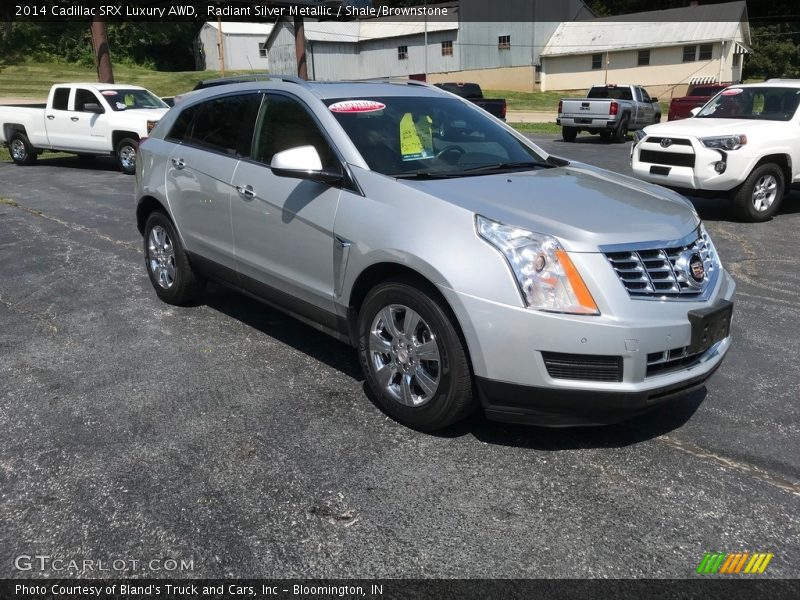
<point x="697" y="95"/>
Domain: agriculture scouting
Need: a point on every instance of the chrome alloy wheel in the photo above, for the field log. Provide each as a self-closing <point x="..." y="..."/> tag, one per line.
<point x="161" y="257"/>
<point x="127" y="157"/>
<point x="405" y="355"/>
<point x="764" y="192"/>
<point x="17" y="149"/>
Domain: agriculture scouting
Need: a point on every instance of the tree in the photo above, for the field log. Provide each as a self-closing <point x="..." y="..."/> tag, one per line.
<point x="102" y="52"/>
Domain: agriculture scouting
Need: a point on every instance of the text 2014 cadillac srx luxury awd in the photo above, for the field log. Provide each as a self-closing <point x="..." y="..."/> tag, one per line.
<point x="468" y="267"/>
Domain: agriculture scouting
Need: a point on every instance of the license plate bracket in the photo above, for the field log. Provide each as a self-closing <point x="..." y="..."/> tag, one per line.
<point x="710" y="325"/>
<point x="657" y="170"/>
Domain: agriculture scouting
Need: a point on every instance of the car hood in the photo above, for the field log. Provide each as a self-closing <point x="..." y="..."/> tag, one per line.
<point x="705" y="127"/>
<point x="585" y="207"/>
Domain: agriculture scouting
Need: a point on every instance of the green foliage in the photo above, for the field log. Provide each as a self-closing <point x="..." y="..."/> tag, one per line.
<point x="776" y="52"/>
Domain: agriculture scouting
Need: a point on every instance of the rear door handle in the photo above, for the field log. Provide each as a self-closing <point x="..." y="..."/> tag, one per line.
<point x="247" y="191"/>
<point x="73" y="118"/>
<point x="51" y="117"/>
<point x="179" y="163"/>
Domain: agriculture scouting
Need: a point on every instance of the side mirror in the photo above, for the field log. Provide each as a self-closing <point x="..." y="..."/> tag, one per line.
<point x="653" y="100"/>
<point x="695" y="110"/>
<point x="303" y="162"/>
<point x="93" y="107"/>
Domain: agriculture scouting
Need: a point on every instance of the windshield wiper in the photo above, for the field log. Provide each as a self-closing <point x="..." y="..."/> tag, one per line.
<point x="503" y="166"/>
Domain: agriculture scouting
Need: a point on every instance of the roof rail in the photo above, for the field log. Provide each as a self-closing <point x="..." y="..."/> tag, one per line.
<point x="290" y="79"/>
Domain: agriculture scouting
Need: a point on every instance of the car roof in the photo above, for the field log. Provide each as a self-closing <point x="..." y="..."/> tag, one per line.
<point x="780" y="83"/>
<point x="104" y="86"/>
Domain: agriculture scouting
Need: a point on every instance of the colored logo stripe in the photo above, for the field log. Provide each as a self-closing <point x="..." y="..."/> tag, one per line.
<point x="734" y="562"/>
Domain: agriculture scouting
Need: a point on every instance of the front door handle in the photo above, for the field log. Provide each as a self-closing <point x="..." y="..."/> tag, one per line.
<point x="51" y="117"/>
<point x="73" y="118"/>
<point x="179" y="163"/>
<point x="247" y="191"/>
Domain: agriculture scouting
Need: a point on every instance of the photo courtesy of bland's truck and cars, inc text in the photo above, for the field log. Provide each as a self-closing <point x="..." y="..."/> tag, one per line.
<point x="399" y="299"/>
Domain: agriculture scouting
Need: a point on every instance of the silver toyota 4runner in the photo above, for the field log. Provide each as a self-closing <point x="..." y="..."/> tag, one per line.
<point x="467" y="266"/>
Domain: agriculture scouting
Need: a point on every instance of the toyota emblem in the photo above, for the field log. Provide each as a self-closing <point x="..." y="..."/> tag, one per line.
<point x="666" y="142"/>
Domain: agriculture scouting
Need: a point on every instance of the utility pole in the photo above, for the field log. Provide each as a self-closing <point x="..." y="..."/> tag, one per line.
<point x="221" y="46"/>
<point x="102" y="54"/>
<point x="300" y="47"/>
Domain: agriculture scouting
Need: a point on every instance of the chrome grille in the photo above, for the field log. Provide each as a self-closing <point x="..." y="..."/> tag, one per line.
<point x="670" y="360"/>
<point x="653" y="272"/>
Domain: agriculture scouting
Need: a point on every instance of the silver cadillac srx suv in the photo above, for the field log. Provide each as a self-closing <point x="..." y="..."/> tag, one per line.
<point x="467" y="266"/>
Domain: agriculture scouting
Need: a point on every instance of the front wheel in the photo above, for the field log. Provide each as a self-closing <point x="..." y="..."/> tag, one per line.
<point x="413" y="357"/>
<point x="759" y="197"/>
<point x="126" y="155"/>
<point x="21" y="150"/>
<point x="621" y="132"/>
<point x="569" y="133"/>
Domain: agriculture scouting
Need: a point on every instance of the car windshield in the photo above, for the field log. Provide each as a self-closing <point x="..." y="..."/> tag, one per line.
<point x="124" y="99"/>
<point x="423" y="136"/>
<point x="765" y="103"/>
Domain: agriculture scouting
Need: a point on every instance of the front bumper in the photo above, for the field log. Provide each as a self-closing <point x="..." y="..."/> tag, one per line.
<point x="657" y="164"/>
<point x="509" y="345"/>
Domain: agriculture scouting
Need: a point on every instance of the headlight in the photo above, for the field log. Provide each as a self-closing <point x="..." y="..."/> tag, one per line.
<point x="727" y="142"/>
<point x="545" y="274"/>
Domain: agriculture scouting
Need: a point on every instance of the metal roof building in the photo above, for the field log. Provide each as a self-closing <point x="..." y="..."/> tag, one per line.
<point x="243" y="46"/>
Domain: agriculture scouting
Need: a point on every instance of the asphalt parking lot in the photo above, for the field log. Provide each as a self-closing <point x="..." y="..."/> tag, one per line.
<point x="235" y="437"/>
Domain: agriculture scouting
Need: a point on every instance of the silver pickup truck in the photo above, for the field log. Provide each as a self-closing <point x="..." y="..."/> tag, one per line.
<point x="610" y="110"/>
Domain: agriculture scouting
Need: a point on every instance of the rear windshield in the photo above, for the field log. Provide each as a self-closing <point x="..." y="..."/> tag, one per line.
<point x="402" y="135"/>
<point x="705" y="91"/>
<point x="465" y="90"/>
<point x="615" y="93"/>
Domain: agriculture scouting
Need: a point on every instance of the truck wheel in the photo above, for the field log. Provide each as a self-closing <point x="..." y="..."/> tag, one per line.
<point x="605" y="135"/>
<point x="759" y="197"/>
<point x="126" y="155"/>
<point x="413" y="357"/>
<point x="22" y="153"/>
<point x="167" y="264"/>
<point x="621" y="132"/>
<point x="569" y="133"/>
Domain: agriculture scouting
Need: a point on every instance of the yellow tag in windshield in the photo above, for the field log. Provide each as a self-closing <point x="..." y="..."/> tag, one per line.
<point x="416" y="137"/>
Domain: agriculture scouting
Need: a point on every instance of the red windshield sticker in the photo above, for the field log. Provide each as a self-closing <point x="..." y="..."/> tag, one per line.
<point x="109" y="93"/>
<point x="356" y="106"/>
<point x="732" y="92"/>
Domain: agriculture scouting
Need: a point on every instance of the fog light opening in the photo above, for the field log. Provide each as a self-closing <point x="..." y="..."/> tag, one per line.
<point x="720" y="166"/>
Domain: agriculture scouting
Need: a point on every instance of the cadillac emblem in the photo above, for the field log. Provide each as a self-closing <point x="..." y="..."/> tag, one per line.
<point x="696" y="268"/>
<point x="666" y="142"/>
<point x="692" y="269"/>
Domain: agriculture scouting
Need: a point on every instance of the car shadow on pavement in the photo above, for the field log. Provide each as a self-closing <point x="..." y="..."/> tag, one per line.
<point x="659" y="421"/>
<point x="719" y="208"/>
<point x="98" y="163"/>
<point x="592" y="139"/>
<point x="285" y="329"/>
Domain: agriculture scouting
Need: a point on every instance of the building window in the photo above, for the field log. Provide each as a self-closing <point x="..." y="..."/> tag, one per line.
<point x="402" y="53"/>
<point x="262" y="50"/>
<point x="504" y="42"/>
<point x="705" y="51"/>
<point x="644" y="58"/>
<point x="597" y="61"/>
<point x="447" y="48"/>
<point x="737" y="61"/>
<point x="537" y="74"/>
<point x="689" y="53"/>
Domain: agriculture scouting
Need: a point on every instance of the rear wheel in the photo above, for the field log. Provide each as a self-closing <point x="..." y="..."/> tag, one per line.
<point x="759" y="197"/>
<point x="621" y="132"/>
<point x="569" y="133"/>
<point x="126" y="155"/>
<point x="413" y="357"/>
<point x="21" y="150"/>
<point x="167" y="264"/>
<point x="605" y="135"/>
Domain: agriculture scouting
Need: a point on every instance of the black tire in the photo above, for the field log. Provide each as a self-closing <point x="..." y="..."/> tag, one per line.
<point x="605" y="135"/>
<point x="451" y="400"/>
<point x="745" y="198"/>
<point x="621" y="132"/>
<point x="126" y="152"/>
<point x="569" y="133"/>
<point x="21" y="150"/>
<point x="185" y="285"/>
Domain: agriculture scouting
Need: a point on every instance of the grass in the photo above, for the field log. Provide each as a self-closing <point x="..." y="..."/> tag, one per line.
<point x="33" y="80"/>
<point x="538" y="128"/>
<point x="533" y="101"/>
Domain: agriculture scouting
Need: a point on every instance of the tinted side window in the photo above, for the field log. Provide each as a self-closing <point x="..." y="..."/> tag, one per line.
<point x="286" y="124"/>
<point x="84" y="97"/>
<point x="182" y="126"/>
<point x="226" y="124"/>
<point x="61" y="99"/>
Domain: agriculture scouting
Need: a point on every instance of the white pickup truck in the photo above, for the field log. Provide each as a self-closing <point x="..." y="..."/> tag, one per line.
<point x="744" y="143"/>
<point x="89" y="119"/>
